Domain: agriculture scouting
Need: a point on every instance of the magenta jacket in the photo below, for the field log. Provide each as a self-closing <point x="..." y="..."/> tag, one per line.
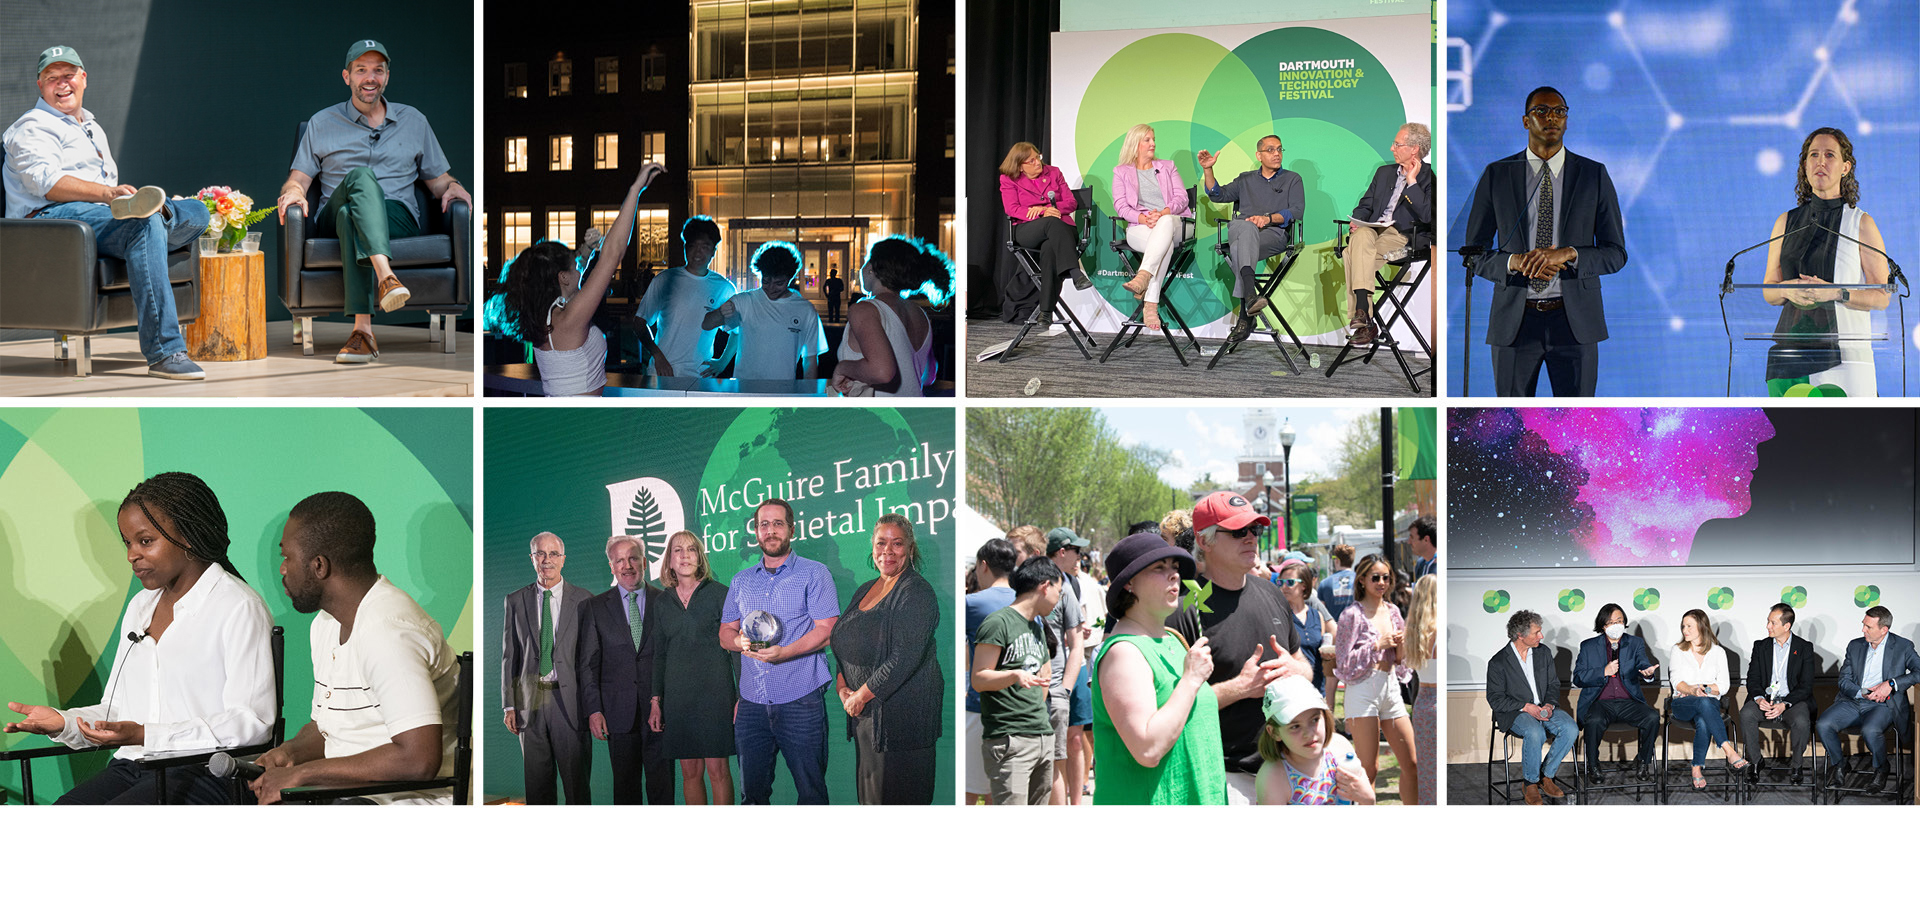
<point x="1019" y="192"/>
<point x="1126" y="190"/>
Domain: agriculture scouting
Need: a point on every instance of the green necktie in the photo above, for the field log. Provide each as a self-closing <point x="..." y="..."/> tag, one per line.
<point x="546" y="633"/>
<point x="634" y="622"/>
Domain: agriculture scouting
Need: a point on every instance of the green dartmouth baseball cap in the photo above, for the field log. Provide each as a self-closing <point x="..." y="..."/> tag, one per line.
<point x="60" y="54"/>
<point x="362" y="48"/>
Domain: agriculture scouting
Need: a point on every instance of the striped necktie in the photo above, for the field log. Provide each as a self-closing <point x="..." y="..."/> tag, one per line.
<point x="546" y="632"/>
<point x="634" y="623"/>
<point x="1543" y="229"/>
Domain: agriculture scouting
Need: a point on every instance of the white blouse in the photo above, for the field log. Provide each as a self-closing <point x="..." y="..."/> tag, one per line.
<point x="1686" y="668"/>
<point x="206" y="683"/>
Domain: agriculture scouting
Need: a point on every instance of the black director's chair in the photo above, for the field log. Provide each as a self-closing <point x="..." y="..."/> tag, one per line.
<point x="1264" y="284"/>
<point x="1029" y="262"/>
<point x="1391" y="294"/>
<point x="1177" y="262"/>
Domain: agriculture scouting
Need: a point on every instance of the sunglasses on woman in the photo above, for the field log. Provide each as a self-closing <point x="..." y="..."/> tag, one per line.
<point x="1376" y="579"/>
<point x="1289" y="582"/>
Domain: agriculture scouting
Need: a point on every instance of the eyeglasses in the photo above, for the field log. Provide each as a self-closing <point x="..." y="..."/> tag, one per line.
<point x="543" y="555"/>
<point x="1548" y="112"/>
<point x="1269" y="149"/>
<point x="1255" y="530"/>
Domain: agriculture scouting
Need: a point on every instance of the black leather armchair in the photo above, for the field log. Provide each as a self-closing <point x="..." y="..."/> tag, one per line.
<point x="435" y="266"/>
<point x="53" y="278"/>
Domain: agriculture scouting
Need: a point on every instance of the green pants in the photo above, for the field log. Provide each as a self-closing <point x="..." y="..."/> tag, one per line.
<point x="364" y="220"/>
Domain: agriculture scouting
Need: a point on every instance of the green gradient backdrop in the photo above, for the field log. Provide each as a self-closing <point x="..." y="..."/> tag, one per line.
<point x="551" y="469"/>
<point x="63" y="573"/>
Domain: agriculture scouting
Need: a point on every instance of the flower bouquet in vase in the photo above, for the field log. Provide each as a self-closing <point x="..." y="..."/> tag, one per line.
<point x="229" y="214"/>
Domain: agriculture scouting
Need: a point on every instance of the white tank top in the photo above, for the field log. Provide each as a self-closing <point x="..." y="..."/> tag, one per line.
<point x="915" y="366"/>
<point x="567" y="373"/>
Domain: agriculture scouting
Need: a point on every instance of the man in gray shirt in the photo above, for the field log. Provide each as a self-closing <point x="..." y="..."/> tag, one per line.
<point x="1269" y="199"/>
<point x="368" y="152"/>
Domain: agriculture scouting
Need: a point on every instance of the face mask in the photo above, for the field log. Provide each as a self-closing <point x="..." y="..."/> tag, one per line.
<point x="1615" y="631"/>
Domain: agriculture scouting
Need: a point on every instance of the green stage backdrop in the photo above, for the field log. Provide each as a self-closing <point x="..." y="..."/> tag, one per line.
<point x="63" y="572"/>
<point x="585" y="474"/>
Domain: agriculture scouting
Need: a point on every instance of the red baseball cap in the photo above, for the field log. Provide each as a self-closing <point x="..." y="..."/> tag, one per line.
<point x="1227" y="510"/>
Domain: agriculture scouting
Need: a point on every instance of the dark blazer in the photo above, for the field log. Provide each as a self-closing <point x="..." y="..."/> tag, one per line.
<point x="1413" y="217"/>
<point x="1898" y="662"/>
<point x="1507" y="684"/>
<point x="520" y="652"/>
<point x="908" y="689"/>
<point x="1590" y="667"/>
<point x="1803" y="664"/>
<point x="618" y="681"/>
<point x="1589" y="221"/>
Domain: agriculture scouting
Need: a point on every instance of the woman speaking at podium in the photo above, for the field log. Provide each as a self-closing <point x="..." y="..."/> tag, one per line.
<point x="1814" y="245"/>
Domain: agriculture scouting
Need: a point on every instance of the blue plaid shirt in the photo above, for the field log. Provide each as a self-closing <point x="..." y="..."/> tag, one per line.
<point x="798" y="593"/>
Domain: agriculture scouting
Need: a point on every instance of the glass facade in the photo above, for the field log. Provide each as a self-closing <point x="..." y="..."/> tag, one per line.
<point x="802" y="118"/>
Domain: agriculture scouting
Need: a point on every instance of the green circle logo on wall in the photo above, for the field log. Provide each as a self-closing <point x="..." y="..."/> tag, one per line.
<point x="1646" y="599"/>
<point x="1331" y="102"/>
<point x="1720" y="598"/>
<point x="1573" y="600"/>
<point x="1794" y="595"/>
<point x="1866" y="595"/>
<point x="1495" y="601"/>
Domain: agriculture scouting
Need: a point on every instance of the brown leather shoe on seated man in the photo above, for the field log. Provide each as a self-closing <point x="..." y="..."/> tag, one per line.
<point x="1360" y="328"/>
<point x="393" y="294"/>
<point x="360" y="348"/>
<point x="1550" y="789"/>
<point x="1531" y="793"/>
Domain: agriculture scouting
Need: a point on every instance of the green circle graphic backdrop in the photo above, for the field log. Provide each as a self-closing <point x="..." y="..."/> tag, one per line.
<point x="1199" y="95"/>
<point x="64" y="580"/>
<point x="550" y="470"/>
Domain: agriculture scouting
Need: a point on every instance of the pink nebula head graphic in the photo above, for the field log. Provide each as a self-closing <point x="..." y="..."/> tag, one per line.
<point x="1654" y="476"/>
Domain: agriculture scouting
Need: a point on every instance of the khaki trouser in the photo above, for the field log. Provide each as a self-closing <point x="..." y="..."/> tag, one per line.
<point x="1365" y="247"/>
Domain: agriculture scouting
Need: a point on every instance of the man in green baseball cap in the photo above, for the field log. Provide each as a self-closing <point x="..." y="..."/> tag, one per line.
<point x="367" y="153"/>
<point x="59" y="166"/>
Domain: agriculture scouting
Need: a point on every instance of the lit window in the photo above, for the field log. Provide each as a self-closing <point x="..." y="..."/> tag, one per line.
<point x="650" y="235"/>
<point x="516" y="234"/>
<point x="561" y="226"/>
<point x="606" y="151"/>
<point x="606" y="75"/>
<point x="560" y="153"/>
<point x="517" y="80"/>
<point x="653" y="147"/>
<point x="516" y="154"/>
<point x="559" y="76"/>
<point x="603" y="217"/>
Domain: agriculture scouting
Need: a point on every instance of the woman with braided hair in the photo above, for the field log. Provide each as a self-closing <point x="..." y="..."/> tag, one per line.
<point x="193" y="669"/>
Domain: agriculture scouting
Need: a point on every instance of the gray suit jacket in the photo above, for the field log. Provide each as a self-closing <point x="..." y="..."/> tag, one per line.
<point x="1507" y="685"/>
<point x="1589" y="222"/>
<point x="520" y="654"/>
<point x="1899" y="663"/>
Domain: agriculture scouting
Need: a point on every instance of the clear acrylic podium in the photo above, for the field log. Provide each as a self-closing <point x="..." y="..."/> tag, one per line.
<point x="1803" y="341"/>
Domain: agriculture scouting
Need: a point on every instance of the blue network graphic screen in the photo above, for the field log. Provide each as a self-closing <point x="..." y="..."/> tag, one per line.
<point x="1698" y="110"/>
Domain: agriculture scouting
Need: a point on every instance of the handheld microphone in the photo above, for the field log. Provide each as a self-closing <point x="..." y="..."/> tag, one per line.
<point x="222" y="764"/>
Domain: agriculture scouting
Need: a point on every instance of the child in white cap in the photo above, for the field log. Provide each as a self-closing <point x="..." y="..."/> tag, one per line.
<point x="1306" y="762"/>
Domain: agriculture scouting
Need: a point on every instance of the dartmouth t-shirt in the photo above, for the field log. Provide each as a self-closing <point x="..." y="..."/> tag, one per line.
<point x="1240" y="621"/>
<point x="1023" y="648"/>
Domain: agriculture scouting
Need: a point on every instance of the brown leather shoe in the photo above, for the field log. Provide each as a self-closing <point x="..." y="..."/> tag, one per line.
<point x="1550" y="789"/>
<point x="360" y="348"/>
<point x="1532" y="794"/>
<point x="1360" y="328"/>
<point x="393" y="294"/>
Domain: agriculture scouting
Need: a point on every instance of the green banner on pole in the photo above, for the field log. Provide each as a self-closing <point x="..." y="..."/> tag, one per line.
<point x="1306" y="519"/>
<point x="1415" y="427"/>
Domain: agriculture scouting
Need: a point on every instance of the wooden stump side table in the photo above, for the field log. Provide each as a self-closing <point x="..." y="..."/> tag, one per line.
<point x="232" y="324"/>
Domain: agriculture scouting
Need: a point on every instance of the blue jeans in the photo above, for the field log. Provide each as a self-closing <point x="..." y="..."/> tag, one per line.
<point x="144" y="244"/>
<point x="796" y="730"/>
<point x="1873" y="718"/>
<point x="1708" y="728"/>
<point x="1534" y="732"/>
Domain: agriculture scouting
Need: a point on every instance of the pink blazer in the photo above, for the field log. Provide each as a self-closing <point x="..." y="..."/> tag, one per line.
<point x="1126" y="190"/>
<point x="1019" y="192"/>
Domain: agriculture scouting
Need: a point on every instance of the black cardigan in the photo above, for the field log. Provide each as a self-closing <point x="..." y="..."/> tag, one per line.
<point x="909" y="693"/>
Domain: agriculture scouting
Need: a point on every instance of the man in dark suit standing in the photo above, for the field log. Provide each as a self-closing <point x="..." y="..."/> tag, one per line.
<point x="1395" y="213"/>
<point x="539" y="678"/>
<point x="1524" y="691"/>
<point x="618" y="684"/>
<point x="1611" y="671"/>
<point x="1559" y="229"/>
<point x="1879" y="669"/>
<point x="1780" y="674"/>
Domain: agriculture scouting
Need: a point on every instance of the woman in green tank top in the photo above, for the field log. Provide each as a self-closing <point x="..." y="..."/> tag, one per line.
<point x="1156" y="724"/>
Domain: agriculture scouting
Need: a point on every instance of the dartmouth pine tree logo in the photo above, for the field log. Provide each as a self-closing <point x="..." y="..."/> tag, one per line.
<point x="647" y="523"/>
